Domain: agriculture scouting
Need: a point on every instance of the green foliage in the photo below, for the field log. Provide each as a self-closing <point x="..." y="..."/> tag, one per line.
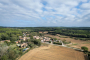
<point x="4" y="57"/>
<point x="37" y="42"/>
<point x="49" y="41"/>
<point x="22" y="41"/>
<point x="72" y="32"/>
<point x="20" y="53"/>
<point x="13" y="39"/>
<point x="13" y="53"/>
<point x="31" y="45"/>
<point x="8" y="43"/>
<point x="55" y="38"/>
<point x="4" y="36"/>
<point x="31" y="36"/>
<point x="84" y="48"/>
<point x="66" y="42"/>
<point x="57" y="43"/>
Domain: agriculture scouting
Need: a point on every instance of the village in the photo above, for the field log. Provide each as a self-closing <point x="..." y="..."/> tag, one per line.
<point x="43" y="39"/>
<point x="23" y="41"/>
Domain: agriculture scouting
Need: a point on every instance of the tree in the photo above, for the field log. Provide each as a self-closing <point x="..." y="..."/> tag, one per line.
<point x="37" y="42"/>
<point x="84" y="48"/>
<point x="4" y="57"/>
<point x="4" y="36"/>
<point x="12" y="54"/>
<point x="12" y="39"/>
<point x="8" y="43"/>
<point x="0" y="38"/>
<point x="49" y="41"/>
<point x="3" y="49"/>
<point x="31" y="36"/>
<point x="31" y="44"/>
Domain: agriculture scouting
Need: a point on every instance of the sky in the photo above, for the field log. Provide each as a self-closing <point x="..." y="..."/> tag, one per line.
<point x="45" y="13"/>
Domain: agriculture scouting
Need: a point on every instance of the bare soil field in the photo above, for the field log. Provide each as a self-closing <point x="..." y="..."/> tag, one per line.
<point x="52" y="52"/>
<point x="79" y="43"/>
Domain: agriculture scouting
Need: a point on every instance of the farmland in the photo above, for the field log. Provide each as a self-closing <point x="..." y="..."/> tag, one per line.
<point x="52" y="52"/>
<point x="75" y="43"/>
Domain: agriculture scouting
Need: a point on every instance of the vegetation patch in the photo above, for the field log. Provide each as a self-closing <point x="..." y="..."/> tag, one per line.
<point x="57" y="43"/>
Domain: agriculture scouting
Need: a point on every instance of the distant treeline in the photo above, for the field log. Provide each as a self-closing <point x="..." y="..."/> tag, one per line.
<point x="83" y="32"/>
<point x="74" y="32"/>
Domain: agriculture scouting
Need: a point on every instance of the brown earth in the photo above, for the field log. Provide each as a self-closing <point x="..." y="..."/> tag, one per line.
<point x="52" y="52"/>
<point x="79" y="43"/>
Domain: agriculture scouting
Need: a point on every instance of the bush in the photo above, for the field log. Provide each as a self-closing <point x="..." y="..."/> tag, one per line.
<point x="12" y="39"/>
<point x="4" y="57"/>
<point x="49" y="41"/>
<point x="84" y="48"/>
<point x="20" y="53"/>
<point x="76" y="38"/>
<point x="8" y="43"/>
<point x="65" y="42"/>
<point x="57" y="43"/>
<point x="55" y="38"/>
<point x="13" y="53"/>
<point x="31" y="45"/>
<point x="37" y="42"/>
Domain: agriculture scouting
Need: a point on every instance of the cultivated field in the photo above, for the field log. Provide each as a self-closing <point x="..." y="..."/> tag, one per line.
<point x="75" y="43"/>
<point x="52" y="52"/>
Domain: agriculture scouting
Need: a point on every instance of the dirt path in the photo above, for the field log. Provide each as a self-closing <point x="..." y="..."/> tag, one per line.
<point x="52" y="52"/>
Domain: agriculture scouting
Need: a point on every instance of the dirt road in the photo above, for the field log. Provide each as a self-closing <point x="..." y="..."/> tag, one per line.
<point x="52" y="52"/>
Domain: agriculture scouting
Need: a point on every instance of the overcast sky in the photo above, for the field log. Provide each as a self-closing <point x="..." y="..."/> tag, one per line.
<point x="36" y="13"/>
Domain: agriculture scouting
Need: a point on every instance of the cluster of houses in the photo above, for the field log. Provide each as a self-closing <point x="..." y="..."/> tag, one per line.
<point x="22" y="45"/>
<point x="43" y="39"/>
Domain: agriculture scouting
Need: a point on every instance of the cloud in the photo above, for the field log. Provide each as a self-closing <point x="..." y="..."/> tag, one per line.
<point x="85" y="5"/>
<point x="44" y="12"/>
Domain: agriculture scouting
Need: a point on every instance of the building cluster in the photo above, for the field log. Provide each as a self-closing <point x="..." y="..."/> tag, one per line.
<point x="23" y="45"/>
<point x="23" y="38"/>
<point x="43" y="39"/>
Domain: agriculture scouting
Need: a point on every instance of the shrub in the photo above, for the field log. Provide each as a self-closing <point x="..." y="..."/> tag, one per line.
<point x="20" y="53"/>
<point x="3" y="49"/>
<point x="49" y="41"/>
<point x="55" y="38"/>
<point x="4" y="57"/>
<point x="8" y="43"/>
<point x="11" y="54"/>
<point x="37" y="42"/>
<point x="84" y="48"/>
<point x="76" y="38"/>
<point x="57" y="43"/>
<point x="31" y="45"/>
